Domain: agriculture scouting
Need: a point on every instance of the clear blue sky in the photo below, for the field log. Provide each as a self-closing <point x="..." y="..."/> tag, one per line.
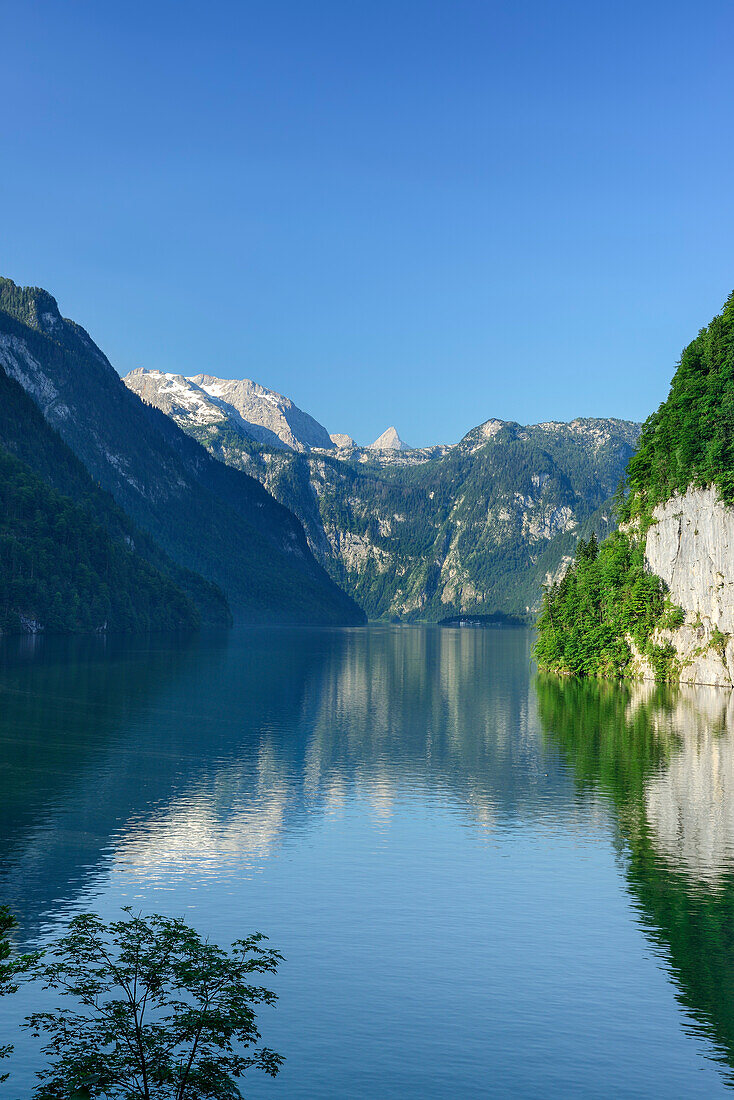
<point x="400" y="212"/>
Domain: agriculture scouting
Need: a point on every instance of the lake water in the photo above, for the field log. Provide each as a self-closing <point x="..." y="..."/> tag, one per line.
<point x="483" y="884"/>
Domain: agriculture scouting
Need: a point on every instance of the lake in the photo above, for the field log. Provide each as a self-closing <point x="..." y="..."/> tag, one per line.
<point x="484" y="884"/>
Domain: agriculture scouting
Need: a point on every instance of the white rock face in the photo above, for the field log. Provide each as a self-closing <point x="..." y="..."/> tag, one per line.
<point x="263" y="408"/>
<point x="21" y="365"/>
<point x="691" y="547"/>
<point x="342" y="441"/>
<point x="175" y="395"/>
<point x="256" y="412"/>
<point x="389" y="441"/>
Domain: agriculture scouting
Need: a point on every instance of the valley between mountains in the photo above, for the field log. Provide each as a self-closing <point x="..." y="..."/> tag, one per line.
<point x="414" y="533"/>
<point x="163" y="502"/>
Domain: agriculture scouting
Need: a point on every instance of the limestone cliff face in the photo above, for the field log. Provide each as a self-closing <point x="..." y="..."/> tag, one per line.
<point x="691" y="547"/>
<point x="252" y="411"/>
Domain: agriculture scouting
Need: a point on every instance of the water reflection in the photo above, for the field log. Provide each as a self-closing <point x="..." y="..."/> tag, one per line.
<point x="690" y="804"/>
<point x="368" y="725"/>
<point x="156" y="755"/>
<point x="402" y="787"/>
<point x="666" y="759"/>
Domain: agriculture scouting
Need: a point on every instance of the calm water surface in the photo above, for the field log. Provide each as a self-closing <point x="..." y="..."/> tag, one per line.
<point x="484" y="884"/>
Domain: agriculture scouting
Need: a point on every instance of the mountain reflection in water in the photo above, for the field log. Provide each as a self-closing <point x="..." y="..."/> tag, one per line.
<point x="665" y="756"/>
<point x="146" y="752"/>
<point x="444" y="847"/>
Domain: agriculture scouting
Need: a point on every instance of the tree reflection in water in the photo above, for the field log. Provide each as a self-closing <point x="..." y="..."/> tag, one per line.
<point x="665" y="759"/>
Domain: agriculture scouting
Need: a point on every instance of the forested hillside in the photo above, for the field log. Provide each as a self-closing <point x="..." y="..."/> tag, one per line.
<point x="70" y="560"/>
<point x="25" y="434"/>
<point x="208" y="518"/>
<point x="60" y="571"/>
<point x="690" y="439"/>
<point x="609" y="597"/>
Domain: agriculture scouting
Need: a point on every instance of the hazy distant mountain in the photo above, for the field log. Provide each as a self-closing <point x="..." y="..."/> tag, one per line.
<point x="206" y="516"/>
<point x="389" y="441"/>
<point x="257" y="413"/>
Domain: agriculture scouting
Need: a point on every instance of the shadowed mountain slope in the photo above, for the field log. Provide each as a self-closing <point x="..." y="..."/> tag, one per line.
<point x="209" y="518"/>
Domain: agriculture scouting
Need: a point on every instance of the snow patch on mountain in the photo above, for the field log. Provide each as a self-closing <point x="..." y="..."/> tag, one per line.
<point x="258" y="414"/>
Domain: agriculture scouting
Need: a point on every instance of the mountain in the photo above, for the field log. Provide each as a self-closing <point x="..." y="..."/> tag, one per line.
<point x="207" y="517"/>
<point x="656" y="599"/>
<point x="342" y="442"/>
<point x="429" y="533"/>
<point x="70" y="560"/>
<point x="257" y="413"/>
<point x="389" y="441"/>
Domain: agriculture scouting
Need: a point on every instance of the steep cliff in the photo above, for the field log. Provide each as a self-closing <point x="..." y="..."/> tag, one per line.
<point x="70" y="560"/>
<point x="690" y="546"/>
<point x="656" y="599"/>
<point x="256" y="413"/>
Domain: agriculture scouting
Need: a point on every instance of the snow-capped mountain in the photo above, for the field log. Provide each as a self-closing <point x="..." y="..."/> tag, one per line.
<point x="255" y="412"/>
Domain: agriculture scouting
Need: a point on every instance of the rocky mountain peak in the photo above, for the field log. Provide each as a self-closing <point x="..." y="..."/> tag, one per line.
<point x="252" y="410"/>
<point x="342" y="441"/>
<point x="389" y="441"/>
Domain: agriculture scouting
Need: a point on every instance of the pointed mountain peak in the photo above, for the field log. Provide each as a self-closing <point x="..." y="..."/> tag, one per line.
<point x="389" y="441"/>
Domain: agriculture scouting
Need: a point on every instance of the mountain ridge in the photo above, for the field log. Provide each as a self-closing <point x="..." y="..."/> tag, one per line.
<point x="258" y="413"/>
<point x="445" y="530"/>
<point x="209" y="518"/>
<point x="71" y="559"/>
<point x="389" y="441"/>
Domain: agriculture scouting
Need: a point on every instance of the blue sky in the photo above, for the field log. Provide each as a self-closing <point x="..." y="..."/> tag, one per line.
<point x="400" y="212"/>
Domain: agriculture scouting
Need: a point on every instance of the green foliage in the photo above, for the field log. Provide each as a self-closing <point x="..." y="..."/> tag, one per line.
<point x="159" y="1013"/>
<point x="465" y="513"/>
<point x="221" y="528"/>
<point x="605" y="597"/>
<point x="616" y="744"/>
<point x="586" y="619"/>
<point x="672" y="618"/>
<point x="690" y="439"/>
<point x="62" y="569"/>
<point x="7" y="923"/>
<point x="11" y="967"/>
<point x="46" y="459"/>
